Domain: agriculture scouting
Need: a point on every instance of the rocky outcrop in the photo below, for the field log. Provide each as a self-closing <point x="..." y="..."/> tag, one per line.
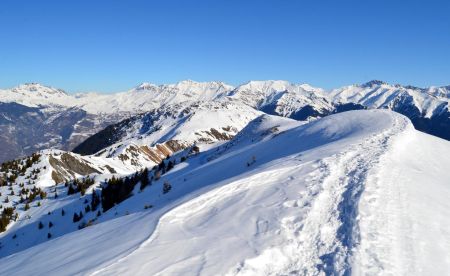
<point x="66" y="166"/>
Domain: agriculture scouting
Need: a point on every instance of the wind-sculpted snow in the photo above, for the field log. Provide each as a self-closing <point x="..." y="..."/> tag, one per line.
<point x="359" y="192"/>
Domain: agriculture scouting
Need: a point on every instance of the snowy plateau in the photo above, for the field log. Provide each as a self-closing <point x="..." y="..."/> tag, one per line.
<point x="267" y="178"/>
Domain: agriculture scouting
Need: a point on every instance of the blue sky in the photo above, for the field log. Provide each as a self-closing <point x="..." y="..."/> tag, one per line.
<point x="93" y="45"/>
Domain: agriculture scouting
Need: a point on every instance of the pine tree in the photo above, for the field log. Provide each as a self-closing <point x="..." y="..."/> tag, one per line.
<point x="5" y="218"/>
<point x="95" y="201"/>
<point x="144" y="179"/>
<point x="170" y="165"/>
<point x="50" y="224"/>
<point x="161" y="165"/>
<point x="40" y="226"/>
<point x="166" y="187"/>
<point x="75" y="217"/>
<point x="62" y="212"/>
<point x="27" y="206"/>
<point x="71" y="190"/>
<point x="49" y="236"/>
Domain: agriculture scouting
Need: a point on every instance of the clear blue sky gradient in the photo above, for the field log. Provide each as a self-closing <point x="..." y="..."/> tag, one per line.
<point x="93" y="45"/>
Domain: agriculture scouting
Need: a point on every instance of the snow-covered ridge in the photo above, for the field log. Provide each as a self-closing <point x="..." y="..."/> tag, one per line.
<point x="282" y="97"/>
<point x="144" y="97"/>
<point x="42" y="90"/>
<point x="254" y="93"/>
<point x="202" y="122"/>
<point x="359" y="192"/>
<point x="377" y="94"/>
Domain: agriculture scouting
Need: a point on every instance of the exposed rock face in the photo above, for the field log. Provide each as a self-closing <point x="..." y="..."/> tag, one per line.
<point x="66" y="167"/>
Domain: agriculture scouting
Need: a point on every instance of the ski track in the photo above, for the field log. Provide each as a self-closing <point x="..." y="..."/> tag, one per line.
<point x="324" y="241"/>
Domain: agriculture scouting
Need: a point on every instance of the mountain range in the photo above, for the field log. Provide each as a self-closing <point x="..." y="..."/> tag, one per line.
<point x="35" y="117"/>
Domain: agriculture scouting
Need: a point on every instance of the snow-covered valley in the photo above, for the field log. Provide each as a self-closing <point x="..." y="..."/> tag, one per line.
<point x="359" y="192"/>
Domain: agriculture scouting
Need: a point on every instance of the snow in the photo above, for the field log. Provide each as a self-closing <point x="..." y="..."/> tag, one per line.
<point x="286" y="97"/>
<point x="384" y="95"/>
<point x="190" y="124"/>
<point x="404" y="212"/>
<point x="147" y="96"/>
<point x="358" y="192"/>
<point x="142" y="98"/>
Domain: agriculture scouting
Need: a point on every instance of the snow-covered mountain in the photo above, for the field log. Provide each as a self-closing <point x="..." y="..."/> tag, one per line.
<point x="142" y="98"/>
<point x="35" y="117"/>
<point x="182" y="124"/>
<point x="358" y="192"/>
<point x="428" y="109"/>
<point x="296" y="101"/>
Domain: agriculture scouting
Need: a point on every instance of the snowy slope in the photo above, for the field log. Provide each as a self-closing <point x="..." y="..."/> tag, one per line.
<point x="48" y="173"/>
<point x="183" y="124"/>
<point x="404" y="210"/>
<point x="329" y="197"/>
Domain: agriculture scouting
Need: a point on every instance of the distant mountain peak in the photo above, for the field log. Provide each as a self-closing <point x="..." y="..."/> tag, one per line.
<point x="145" y="86"/>
<point x="192" y="83"/>
<point x="266" y="83"/>
<point x="373" y="83"/>
<point x="412" y="87"/>
<point x="37" y="88"/>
